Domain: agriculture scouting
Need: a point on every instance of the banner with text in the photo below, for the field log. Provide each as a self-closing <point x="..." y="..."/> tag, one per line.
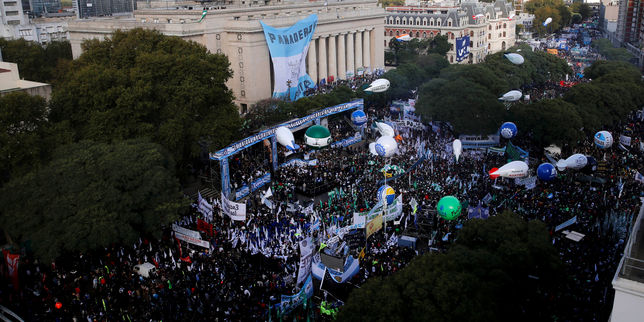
<point x="236" y="211"/>
<point x="289" y="302"/>
<point x="288" y="48"/>
<point x="306" y="254"/>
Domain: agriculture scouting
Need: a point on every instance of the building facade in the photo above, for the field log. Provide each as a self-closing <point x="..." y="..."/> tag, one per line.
<point x="102" y="8"/>
<point x="347" y="41"/>
<point x="16" y="25"/>
<point x="490" y="26"/>
<point x="629" y="21"/>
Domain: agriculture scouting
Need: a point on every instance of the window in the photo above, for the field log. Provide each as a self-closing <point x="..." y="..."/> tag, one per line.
<point x="504" y="26"/>
<point x="489" y="36"/>
<point x="471" y="33"/>
<point x="489" y="27"/>
<point x="504" y="34"/>
<point x="452" y="36"/>
<point x="424" y="35"/>
<point x="11" y="13"/>
<point x="449" y="23"/>
<point x="10" y="3"/>
<point x="417" y="34"/>
<point x="438" y="22"/>
<point x="391" y="33"/>
<point x="451" y="59"/>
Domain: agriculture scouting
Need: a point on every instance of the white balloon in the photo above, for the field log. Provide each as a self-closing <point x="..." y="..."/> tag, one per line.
<point x="514" y="169"/>
<point x="385" y="129"/>
<point x="457" y="146"/>
<point x="285" y="137"/>
<point x="515" y="58"/>
<point x="385" y="146"/>
<point x="372" y="148"/>
<point x="511" y="96"/>
<point x="378" y="86"/>
<point x="576" y="161"/>
<point x="549" y="20"/>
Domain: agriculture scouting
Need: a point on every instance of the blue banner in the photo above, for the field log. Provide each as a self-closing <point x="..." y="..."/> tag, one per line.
<point x="289" y="302"/>
<point x="258" y="183"/>
<point x="348" y="141"/>
<point x="462" y="48"/>
<point x="288" y="48"/>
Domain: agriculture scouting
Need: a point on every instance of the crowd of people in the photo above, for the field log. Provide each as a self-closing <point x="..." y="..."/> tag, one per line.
<point x="249" y="264"/>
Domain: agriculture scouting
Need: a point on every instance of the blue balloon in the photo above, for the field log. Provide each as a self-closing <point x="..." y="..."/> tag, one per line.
<point x="508" y="130"/>
<point x="546" y="171"/>
<point x="358" y="117"/>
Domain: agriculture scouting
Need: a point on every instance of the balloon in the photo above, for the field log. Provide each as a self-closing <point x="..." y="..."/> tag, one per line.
<point x="155" y="296"/>
<point x="457" y="146"/>
<point x="372" y="148"/>
<point x="385" y="146"/>
<point x="574" y="162"/>
<point x="59" y="305"/>
<point x="358" y="117"/>
<point x="385" y="129"/>
<point x="449" y="207"/>
<point x="511" y="96"/>
<point x="386" y="193"/>
<point x="285" y="137"/>
<point x="515" y="58"/>
<point x="514" y="169"/>
<point x="378" y="86"/>
<point x="549" y="20"/>
<point x="508" y="130"/>
<point x="317" y="136"/>
<point x="603" y="139"/>
<point x="546" y="171"/>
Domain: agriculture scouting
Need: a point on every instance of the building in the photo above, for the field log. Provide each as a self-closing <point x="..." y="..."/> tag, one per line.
<point x="39" y="8"/>
<point x="12" y="15"/>
<point x="629" y="21"/>
<point x="101" y="8"/>
<point x="10" y="82"/>
<point x="628" y="282"/>
<point x="347" y="41"/>
<point x="608" y="16"/>
<point x="489" y="25"/>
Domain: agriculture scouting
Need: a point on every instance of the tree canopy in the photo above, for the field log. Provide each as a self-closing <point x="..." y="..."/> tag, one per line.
<point x="606" y="49"/>
<point x="141" y="83"/>
<point x="36" y="62"/>
<point x="499" y="269"/>
<point x="90" y="195"/>
<point x="25" y="138"/>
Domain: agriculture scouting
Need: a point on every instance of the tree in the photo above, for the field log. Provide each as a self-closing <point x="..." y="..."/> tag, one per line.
<point x="549" y="121"/>
<point x="583" y="9"/>
<point x="533" y="5"/>
<point x="141" y="83"/>
<point x="484" y="276"/>
<point x="391" y="3"/>
<point x="24" y="134"/>
<point x="605" y="48"/>
<point x="541" y="14"/>
<point x="35" y="62"/>
<point x="92" y="195"/>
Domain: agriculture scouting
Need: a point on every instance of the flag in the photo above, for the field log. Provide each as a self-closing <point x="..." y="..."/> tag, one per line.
<point x="639" y="177"/>
<point x="362" y="253"/>
<point x="203" y="14"/>
<point x="374" y="225"/>
<point x="12" y="267"/>
<point x="414" y="205"/>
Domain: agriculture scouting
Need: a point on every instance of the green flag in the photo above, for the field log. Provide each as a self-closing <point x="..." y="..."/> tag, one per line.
<point x="203" y="14"/>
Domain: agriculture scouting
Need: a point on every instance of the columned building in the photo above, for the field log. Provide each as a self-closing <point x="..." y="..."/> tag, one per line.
<point x="348" y="39"/>
<point x="490" y="25"/>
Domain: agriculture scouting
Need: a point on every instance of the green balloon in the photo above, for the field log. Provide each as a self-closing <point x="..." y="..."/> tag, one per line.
<point x="449" y="207"/>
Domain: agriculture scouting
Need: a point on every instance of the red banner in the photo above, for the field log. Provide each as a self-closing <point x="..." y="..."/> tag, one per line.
<point x="204" y="227"/>
<point x="12" y="261"/>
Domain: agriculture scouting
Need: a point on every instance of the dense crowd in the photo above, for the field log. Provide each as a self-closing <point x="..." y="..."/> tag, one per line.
<point x="251" y="263"/>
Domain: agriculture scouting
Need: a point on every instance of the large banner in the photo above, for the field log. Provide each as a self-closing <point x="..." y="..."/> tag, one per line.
<point x="462" y="48"/>
<point x="192" y="240"/>
<point x="288" y="48"/>
<point x="306" y="254"/>
<point x="392" y="213"/>
<point x="289" y="302"/>
<point x="236" y="211"/>
<point x="186" y="231"/>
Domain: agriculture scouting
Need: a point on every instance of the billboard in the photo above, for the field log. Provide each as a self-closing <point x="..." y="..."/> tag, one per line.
<point x="462" y="48"/>
<point x="288" y="48"/>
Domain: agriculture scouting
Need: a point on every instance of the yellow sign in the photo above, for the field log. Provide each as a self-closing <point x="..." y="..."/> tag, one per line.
<point x="374" y="225"/>
<point x="553" y="51"/>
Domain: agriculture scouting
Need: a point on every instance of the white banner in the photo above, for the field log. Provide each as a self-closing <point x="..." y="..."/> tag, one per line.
<point x="235" y="210"/>
<point x="625" y="140"/>
<point x="306" y="254"/>
<point x="185" y="231"/>
<point x="192" y="240"/>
